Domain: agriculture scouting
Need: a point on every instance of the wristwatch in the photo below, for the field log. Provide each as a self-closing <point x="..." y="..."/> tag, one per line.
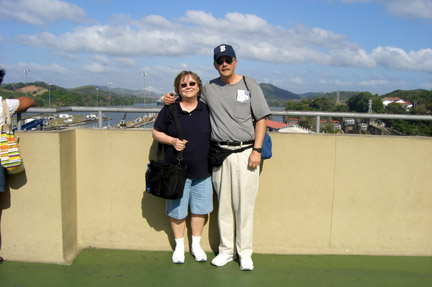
<point x="258" y="149"/>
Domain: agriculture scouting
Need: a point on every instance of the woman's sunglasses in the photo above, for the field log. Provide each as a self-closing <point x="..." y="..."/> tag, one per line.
<point x="221" y="60"/>
<point x="191" y="84"/>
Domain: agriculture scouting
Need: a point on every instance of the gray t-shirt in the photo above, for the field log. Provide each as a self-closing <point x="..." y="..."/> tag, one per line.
<point x="233" y="109"/>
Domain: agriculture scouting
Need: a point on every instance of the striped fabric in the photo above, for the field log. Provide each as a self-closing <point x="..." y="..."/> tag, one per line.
<point x="9" y="151"/>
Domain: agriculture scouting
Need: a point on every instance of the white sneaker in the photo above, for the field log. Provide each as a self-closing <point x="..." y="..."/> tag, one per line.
<point x="222" y="259"/>
<point x="199" y="254"/>
<point x="178" y="256"/>
<point x="246" y="264"/>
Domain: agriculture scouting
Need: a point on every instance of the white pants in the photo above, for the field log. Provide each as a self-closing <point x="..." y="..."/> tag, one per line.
<point x="237" y="187"/>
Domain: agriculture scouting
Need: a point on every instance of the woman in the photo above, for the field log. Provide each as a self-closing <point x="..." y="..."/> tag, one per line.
<point x="198" y="193"/>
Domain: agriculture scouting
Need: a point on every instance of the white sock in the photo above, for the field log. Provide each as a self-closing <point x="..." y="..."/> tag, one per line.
<point x="178" y="255"/>
<point x="196" y="241"/>
<point x="179" y="244"/>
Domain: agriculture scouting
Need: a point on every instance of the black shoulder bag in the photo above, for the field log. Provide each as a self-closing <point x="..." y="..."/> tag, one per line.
<point x="167" y="180"/>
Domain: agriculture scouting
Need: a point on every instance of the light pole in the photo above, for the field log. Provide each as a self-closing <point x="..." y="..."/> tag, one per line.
<point x="109" y="84"/>
<point x="144" y="75"/>
<point x="109" y="115"/>
<point x="49" y="95"/>
<point x="97" y="97"/>
<point x="26" y="71"/>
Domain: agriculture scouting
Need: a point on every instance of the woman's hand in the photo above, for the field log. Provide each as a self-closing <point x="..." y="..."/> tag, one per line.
<point x="161" y="137"/>
<point x="178" y="144"/>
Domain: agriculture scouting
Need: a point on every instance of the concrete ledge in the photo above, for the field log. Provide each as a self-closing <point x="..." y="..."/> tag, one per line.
<point x="319" y="194"/>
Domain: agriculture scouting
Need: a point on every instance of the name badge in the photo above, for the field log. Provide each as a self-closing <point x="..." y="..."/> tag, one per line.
<point x="242" y="96"/>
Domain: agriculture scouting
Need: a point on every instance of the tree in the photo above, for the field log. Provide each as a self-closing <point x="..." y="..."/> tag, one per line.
<point x="395" y="108"/>
<point x="341" y="108"/>
<point x="323" y="104"/>
<point x="360" y="103"/>
<point x="304" y="105"/>
<point x="2" y="73"/>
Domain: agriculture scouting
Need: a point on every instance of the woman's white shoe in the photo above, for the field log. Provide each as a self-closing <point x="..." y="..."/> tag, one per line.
<point x="178" y="256"/>
<point x="199" y="254"/>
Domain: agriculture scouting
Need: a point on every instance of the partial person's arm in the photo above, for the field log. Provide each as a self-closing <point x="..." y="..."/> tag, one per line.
<point x="24" y="104"/>
<point x="161" y="137"/>
<point x="260" y="129"/>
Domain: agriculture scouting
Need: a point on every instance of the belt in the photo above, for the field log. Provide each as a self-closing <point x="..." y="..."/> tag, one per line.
<point x="231" y="143"/>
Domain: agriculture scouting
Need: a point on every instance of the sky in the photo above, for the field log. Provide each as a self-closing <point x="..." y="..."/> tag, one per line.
<point x="301" y="46"/>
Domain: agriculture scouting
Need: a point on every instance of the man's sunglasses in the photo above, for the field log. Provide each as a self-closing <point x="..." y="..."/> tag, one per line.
<point x="221" y="60"/>
<point x="191" y="84"/>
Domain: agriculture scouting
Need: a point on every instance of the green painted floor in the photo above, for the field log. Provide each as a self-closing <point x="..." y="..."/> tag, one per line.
<point x="96" y="267"/>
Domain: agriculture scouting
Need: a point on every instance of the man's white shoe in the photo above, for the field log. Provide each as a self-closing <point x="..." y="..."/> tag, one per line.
<point x="199" y="254"/>
<point x="178" y="256"/>
<point x="222" y="259"/>
<point x="246" y="264"/>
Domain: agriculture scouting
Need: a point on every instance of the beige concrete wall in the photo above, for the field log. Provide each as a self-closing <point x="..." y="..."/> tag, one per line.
<point x="112" y="176"/>
<point x="319" y="194"/>
<point x="326" y="194"/>
<point x="38" y="211"/>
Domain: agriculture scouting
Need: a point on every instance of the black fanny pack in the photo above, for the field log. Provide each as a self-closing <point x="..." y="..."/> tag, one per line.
<point x="218" y="154"/>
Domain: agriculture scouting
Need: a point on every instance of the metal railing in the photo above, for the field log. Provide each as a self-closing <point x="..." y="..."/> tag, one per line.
<point x="98" y="110"/>
<point x="315" y="114"/>
<point x="318" y="116"/>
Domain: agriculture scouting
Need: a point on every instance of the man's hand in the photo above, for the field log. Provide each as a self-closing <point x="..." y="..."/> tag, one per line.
<point x="254" y="159"/>
<point x="168" y="99"/>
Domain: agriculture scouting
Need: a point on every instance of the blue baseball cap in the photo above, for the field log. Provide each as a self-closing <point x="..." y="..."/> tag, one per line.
<point x="224" y="50"/>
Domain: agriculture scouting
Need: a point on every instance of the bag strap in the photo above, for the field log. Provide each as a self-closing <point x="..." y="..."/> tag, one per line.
<point x="6" y="116"/>
<point x="172" y="109"/>
<point x="244" y="80"/>
<point x="250" y="95"/>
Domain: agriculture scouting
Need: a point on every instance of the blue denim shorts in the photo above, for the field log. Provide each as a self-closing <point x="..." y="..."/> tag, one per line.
<point x="198" y="194"/>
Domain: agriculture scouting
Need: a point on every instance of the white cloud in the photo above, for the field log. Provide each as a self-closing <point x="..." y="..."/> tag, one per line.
<point x="199" y="32"/>
<point x="297" y="80"/>
<point x="126" y="61"/>
<point x="403" y="8"/>
<point x="410" y="8"/>
<point x="53" y="68"/>
<point x="349" y="57"/>
<point x="105" y="60"/>
<point x="396" y="58"/>
<point x="39" y="12"/>
<point x="98" y="68"/>
<point x="101" y="59"/>
<point x="373" y="83"/>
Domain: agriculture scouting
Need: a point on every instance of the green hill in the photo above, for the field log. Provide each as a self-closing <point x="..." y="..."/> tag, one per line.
<point x="92" y="95"/>
<point x="276" y="96"/>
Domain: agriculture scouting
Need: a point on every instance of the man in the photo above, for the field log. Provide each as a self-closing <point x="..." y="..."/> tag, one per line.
<point x="237" y="117"/>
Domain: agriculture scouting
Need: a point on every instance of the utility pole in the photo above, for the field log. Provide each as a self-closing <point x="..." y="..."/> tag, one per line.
<point x="26" y="71"/>
<point x="144" y="75"/>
